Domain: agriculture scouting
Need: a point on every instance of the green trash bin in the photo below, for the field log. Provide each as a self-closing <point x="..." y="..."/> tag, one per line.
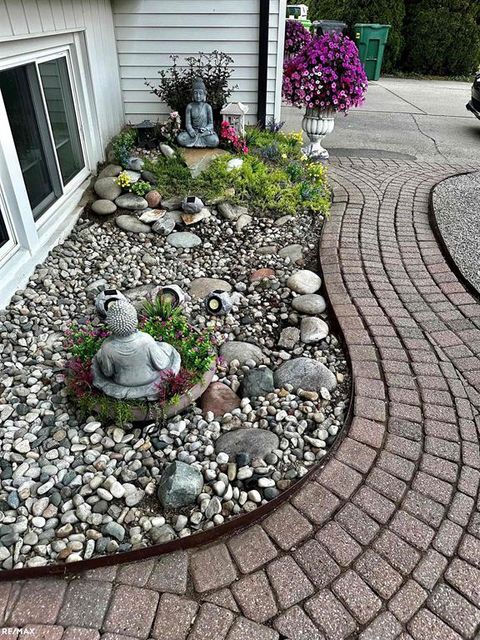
<point x="371" y="40"/>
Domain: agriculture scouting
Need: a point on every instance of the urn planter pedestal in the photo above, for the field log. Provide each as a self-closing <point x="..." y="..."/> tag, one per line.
<point x="317" y="123"/>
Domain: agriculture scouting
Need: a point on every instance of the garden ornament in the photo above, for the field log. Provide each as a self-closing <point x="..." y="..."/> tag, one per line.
<point x="218" y="303"/>
<point x="199" y="130"/>
<point x="173" y="295"/>
<point x="105" y="299"/>
<point x="129" y="362"/>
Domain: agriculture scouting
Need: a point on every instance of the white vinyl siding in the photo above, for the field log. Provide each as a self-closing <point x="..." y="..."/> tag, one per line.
<point x="148" y="31"/>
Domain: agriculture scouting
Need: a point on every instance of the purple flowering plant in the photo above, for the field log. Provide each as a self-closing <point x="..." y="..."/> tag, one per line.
<point x="326" y="74"/>
<point x="296" y="37"/>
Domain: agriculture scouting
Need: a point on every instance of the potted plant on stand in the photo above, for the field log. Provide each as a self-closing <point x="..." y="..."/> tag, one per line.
<point x="325" y="77"/>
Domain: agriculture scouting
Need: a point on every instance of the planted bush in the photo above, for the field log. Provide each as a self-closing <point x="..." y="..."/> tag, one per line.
<point x="296" y="37"/>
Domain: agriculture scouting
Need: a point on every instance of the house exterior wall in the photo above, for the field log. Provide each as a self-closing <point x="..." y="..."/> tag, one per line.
<point x="149" y="31"/>
<point x="31" y="31"/>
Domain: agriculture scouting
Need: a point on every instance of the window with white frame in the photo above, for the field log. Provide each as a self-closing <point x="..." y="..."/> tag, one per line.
<point x="40" y="108"/>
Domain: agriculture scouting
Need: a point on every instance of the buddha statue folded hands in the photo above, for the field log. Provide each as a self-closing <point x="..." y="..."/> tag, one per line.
<point x="199" y="131"/>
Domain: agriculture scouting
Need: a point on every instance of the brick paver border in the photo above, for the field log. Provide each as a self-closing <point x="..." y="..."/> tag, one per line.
<point x="384" y="541"/>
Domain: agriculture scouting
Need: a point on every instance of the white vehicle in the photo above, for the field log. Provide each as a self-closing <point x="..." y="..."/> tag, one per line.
<point x="297" y="11"/>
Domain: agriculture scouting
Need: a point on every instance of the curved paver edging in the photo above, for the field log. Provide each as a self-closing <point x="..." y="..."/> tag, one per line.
<point x="208" y="536"/>
<point x="454" y="266"/>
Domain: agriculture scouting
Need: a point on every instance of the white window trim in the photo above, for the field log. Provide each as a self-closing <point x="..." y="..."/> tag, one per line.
<point x="9" y="248"/>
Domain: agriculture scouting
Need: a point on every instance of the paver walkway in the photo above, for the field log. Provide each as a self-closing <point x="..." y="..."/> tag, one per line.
<point x="385" y="542"/>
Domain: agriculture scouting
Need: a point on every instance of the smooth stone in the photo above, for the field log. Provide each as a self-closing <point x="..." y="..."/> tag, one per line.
<point x="256" y="442"/>
<point x="107" y="189"/>
<point x="150" y="216"/>
<point x="201" y="287"/>
<point x="311" y="304"/>
<point x="172" y="204"/>
<point x="292" y="251"/>
<point x="257" y="382"/>
<point x="164" y="225"/>
<point x="114" y="530"/>
<point x="289" y="337"/>
<point x="267" y="250"/>
<point x="243" y="221"/>
<point x="280" y="222"/>
<point x="165" y="533"/>
<point x="231" y="212"/>
<point x="219" y="399"/>
<point x="304" y="281"/>
<point x="259" y="274"/>
<point x="179" y="485"/>
<point x="313" y="330"/>
<point x="167" y="150"/>
<point x="132" y="224"/>
<point x="184" y="240"/>
<point x="135" y="164"/>
<point x="305" y="373"/>
<point x="103" y="207"/>
<point x="150" y="177"/>
<point x="242" y="351"/>
<point x="153" y="198"/>
<point x="110" y="171"/>
<point x="131" y="202"/>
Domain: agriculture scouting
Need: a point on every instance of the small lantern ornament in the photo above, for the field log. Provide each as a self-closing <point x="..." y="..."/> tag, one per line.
<point x="218" y="303"/>
<point x="146" y="134"/>
<point x="173" y="295"/>
<point x="234" y="113"/>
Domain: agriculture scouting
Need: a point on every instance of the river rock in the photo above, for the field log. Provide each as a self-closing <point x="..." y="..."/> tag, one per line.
<point x="304" y="281"/>
<point x="135" y="164"/>
<point x="311" y="304"/>
<point x="164" y="225"/>
<point x="193" y="218"/>
<point x="110" y="171"/>
<point x="103" y="207"/>
<point x="107" y="189"/>
<point x="257" y="443"/>
<point x="167" y="150"/>
<point x="289" y="337"/>
<point x="305" y="373"/>
<point x="179" y="485"/>
<point x="184" y="240"/>
<point x="219" y="399"/>
<point x="242" y="351"/>
<point x="150" y="216"/>
<point x="170" y="204"/>
<point x="293" y="251"/>
<point x="131" y="202"/>
<point x="201" y="287"/>
<point x="153" y="198"/>
<point x="313" y="330"/>
<point x="257" y="382"/>
<point x="132" y="224"/>
<point x="234" y="163"/>
<point x="150" y="177"/>
<point x="230" y="211"/>
<point x="243" y="221"/>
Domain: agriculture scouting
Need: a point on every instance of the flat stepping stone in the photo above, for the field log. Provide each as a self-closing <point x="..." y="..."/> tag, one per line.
<point x="242" y="351"/>
<point x="304" y="281"/>
<point x="311" y="304"/>
<point x="107" y="189"/>
<point x="131" y="202"/>
<point x="202" y="287"/>
<point x="184" y="240"/>
<point x="256" y="442"/>
<point x="103" y="207"/>
<point x="305" y="373"/>
<point x="132" y="224"/>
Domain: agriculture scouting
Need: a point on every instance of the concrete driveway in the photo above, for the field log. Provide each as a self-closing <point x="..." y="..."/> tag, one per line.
<point x="409" y="119"/>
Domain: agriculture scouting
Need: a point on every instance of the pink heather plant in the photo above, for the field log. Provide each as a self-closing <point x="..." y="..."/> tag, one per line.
<point x="296" y="37"/>
<point x="230" y="137"/>
<point x="326" y="74"/>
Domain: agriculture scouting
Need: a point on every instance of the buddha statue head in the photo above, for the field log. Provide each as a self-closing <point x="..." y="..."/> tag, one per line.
<point x="122" y="319"/>
<point x="199" y="90"/>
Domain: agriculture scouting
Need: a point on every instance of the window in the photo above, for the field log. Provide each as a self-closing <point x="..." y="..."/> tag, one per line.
<point x="4" y="236"/>
<point x="40" y="109"/>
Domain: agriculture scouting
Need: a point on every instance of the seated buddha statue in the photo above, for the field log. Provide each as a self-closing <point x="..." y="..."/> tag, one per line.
<point x="129" y="362"/>
<point x="199" y="131"/>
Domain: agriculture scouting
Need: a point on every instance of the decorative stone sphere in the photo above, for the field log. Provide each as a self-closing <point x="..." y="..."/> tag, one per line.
<point x="122" y="318"/>
<point x="105" y="299"/>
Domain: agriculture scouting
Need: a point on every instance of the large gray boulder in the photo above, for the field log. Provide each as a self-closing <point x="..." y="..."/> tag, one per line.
<point x="305" y="373"/>
<point x="132" y="224"/>
<point x="131" y="202"/>
<point x="179" y="486"/>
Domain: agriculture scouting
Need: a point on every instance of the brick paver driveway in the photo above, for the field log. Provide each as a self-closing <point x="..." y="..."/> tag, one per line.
<point x="385" y="542"/>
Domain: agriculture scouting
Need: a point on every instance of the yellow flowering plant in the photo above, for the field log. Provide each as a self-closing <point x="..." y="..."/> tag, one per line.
<point x="123" y="180"/>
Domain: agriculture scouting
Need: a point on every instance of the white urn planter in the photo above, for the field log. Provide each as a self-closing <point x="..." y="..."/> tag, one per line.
<point x="317" y="123"/>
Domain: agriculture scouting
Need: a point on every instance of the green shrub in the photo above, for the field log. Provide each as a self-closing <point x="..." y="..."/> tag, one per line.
<point x="442" y="37"/>
<point x="122" y="145"/>
<point x="390" y="12"/>
<point x="173" y="176"/>
<point x="140" y="188"/>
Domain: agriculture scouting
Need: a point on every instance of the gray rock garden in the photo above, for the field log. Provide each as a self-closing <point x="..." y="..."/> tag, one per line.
<point x="171" y="365"/>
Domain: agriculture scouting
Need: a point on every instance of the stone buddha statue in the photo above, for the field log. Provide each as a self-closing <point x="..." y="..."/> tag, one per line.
<point x="199" y="130"/>
<point x="129" y="362"/>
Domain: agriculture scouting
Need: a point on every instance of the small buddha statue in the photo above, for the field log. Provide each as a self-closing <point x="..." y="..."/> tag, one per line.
<point x="199" y="131"/>
<point x="129" y="362"/>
